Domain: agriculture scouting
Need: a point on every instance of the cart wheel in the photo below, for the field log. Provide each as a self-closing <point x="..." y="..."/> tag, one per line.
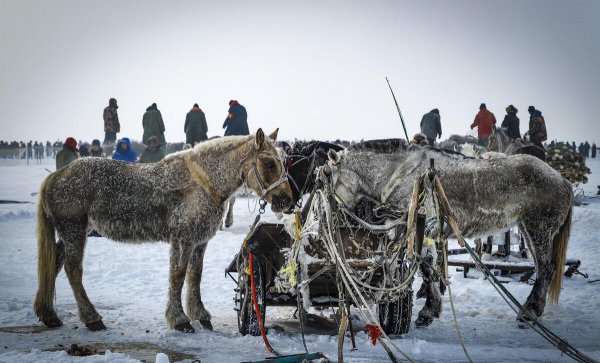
<point x="247" y="319"/>
<point x="395" y="316"/>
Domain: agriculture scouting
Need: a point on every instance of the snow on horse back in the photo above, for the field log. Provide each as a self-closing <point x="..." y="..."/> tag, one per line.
<point x="179" y="200"/>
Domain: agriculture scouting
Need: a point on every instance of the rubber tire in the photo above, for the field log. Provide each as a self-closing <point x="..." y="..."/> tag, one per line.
<point x="395" y="317"/>
<point x="247" y="319"/>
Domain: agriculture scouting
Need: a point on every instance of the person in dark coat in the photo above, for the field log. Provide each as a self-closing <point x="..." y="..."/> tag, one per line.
<point x="587" y="149"/>
<point x="593" y="149"/>
<point x="581" y="149"/>
<point x="236" y="122"/>
<point x="111" y="122"/>
<point x="537" y="127"/>
<point x="484" y="121"/>
<point x="511" y="123"/>
<point x="152" y="153"/>
<point x="67" y="154"/>
<point x="153" y="125"/>
<point x="96" y="149"/>
<point x="195" y="126"/>
<point x="124" y="152"/>
<point x="573" y="147"/>
<point x="431" y="126"/>
<point x="84" y="150"/>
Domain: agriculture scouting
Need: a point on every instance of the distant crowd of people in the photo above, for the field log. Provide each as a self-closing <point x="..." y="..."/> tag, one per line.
<point x="195" y="128"/>
<point x="485" y="121"/>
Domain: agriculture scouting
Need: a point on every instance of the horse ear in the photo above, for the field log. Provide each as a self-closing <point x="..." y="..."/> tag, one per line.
<point x="333" y="156"/>
<point x="259" y="139"/>
<point x="273" y="134"/>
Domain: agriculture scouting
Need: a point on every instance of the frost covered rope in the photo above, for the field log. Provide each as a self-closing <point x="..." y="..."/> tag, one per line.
<point x="348" y="280"/>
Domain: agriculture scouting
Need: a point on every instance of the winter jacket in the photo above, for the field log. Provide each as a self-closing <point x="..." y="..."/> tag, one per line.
<point x="65" y="156"/>
<point x="484" y="121"/>
<point x="195" y="126"/>
<point x="431" y="125"/>
<point x="537" y="128"/>
<point x="111" y="118"/>
<point x="128" y="154"/>
<point x="152" y="156"/>
<point x="511" y="123"/>
<point x="153" y="125"/>
<point x="236" y="122"/>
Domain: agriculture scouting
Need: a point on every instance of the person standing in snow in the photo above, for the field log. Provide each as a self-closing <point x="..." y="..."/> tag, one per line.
<point x="587" y="149"/>
<point x="511" y="123"/>
<point x="195" y="127"/>
<point x="484" y="121"/>
<point x="431" y="126"/>
<point x="537" y="127"/>
<point x="593" y="149"/>
<point x="111" y="122"/>
<point x="124" y="152"/>
<point x="153" y="125"/>
<point x="67" y="154"/>
<point x="153" y="153"/>
<point x="236" y="122"/>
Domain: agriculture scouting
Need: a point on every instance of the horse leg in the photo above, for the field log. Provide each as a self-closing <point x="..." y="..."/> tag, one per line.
<point x="433" y="298"/>
<point x="229" y="216"/>
<point x="45" y="309"/>
<point x="75" y="244"/>
<point x="195" y="307"/>
<point x="176" y="318"/>
<point x="539" y="245"/>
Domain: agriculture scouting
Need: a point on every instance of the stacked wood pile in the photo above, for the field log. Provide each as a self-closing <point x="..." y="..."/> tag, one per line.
<point x="567" y="163"/>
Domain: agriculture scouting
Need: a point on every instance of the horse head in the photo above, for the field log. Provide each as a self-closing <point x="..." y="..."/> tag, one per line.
<point x="265" y="173"/>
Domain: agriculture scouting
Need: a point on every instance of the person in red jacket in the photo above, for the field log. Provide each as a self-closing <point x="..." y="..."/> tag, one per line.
<point x="484" y="121"/>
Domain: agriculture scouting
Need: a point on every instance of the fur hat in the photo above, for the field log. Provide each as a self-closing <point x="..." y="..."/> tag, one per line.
<point x="233" y="102"/>
<point x="72" y="143"/>
<point x="511" y="109"/>
<point x="482" y="106"/>
<point x="531" y="108"/>
<point x="196" y="105"/>
<point x="96" y="142"/>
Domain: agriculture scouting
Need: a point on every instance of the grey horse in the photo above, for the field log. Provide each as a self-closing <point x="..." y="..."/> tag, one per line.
<point x="179" y="200"/>
<point x="486" y="196"/>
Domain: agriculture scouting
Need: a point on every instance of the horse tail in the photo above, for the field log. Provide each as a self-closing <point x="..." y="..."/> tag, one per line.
<point x="47" y="253"/>
<point x="560" y="242"/>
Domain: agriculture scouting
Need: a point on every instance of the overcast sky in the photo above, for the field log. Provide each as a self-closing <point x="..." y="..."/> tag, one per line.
<point x="315" y="69"/>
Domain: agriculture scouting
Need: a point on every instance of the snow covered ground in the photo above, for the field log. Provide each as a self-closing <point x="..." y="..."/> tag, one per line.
<point x="128" y="285"/>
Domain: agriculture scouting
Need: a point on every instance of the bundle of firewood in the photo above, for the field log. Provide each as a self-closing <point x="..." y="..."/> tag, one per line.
<point x="569" y="164"/>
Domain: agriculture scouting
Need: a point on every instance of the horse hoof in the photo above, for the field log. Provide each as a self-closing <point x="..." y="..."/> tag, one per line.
<point x="96" y="326"/>
<point x="185" y="327"/>
<point x="423" y="321"/>
<point x="206" y="324"/>
<point x="52" y="322"/>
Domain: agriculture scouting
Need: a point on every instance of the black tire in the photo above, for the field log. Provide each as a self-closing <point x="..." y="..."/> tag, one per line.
<point x="247" y="319"/>
<point x="395" y="317"/>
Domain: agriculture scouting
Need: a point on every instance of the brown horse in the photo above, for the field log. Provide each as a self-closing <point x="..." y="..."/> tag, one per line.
<point x="179" y="200"/>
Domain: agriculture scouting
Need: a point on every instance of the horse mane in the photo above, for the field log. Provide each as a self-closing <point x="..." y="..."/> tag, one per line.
<point x="218" y="145"/>
<point x="381" y="146"/>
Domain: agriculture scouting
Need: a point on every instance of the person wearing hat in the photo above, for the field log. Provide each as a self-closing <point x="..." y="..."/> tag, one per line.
<point x="96" y="149"/>
<point x="153" y="125"/>
<point x="484" y="121"/>
<point x="111" y="122"/>
<point x="236" y="122"/>
<point x="511" y="123"/>
<point x="67" y="154"/>
<point x="195" y="127"/>
<point x="124" y="152"/>
<point x="431" y="126"/>
<point x="537" y="127"/>
<point x="153" y="153"/>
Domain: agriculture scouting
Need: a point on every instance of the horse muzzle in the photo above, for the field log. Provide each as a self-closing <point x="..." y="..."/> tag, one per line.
<point x="281" y="202"/>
